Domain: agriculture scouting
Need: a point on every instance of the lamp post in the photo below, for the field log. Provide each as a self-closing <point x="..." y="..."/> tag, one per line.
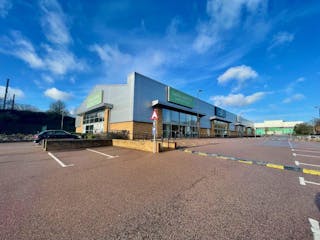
<point x="198" y="118"/>
<point x="315" y="121"/>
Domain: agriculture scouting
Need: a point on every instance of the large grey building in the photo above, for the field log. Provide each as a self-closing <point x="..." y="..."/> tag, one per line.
<point x="130" y="106"/>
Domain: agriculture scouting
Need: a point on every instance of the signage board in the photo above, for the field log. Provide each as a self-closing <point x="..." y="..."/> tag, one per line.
<point x="219" y="112"/>
<point x="180" y="98"/>
<point x="94" y="99"/>
<point x="154" y="115"/>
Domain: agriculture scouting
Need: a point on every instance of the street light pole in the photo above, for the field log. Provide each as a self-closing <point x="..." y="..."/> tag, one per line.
<point x="315" y="121"/>
<point x="198" y="118"/>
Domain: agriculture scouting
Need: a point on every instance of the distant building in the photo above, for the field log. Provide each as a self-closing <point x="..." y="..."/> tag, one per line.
<point x="275" y="127"/>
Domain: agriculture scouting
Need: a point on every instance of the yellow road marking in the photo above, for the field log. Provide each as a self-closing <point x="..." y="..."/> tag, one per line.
<point x="312" y="172"/>
<point x="246" y="162"/>
<point x="203" y="154"/>
<point x="275" y="166"/>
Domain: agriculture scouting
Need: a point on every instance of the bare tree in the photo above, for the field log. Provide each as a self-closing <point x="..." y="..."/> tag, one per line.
<point x="58" y="107"/>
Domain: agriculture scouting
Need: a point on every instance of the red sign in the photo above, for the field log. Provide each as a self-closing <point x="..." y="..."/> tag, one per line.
<point x="154" y="115"/>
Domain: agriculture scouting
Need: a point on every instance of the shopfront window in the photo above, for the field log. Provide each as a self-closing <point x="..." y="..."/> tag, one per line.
<point x="93" y="117"/>
<point x="178" y="125"/>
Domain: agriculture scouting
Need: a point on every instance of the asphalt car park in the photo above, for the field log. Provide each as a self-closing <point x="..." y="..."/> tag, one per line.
<point x="117" y="193"/>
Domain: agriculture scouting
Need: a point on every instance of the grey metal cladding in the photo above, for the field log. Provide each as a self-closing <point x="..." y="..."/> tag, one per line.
<point x="145" y="91"/>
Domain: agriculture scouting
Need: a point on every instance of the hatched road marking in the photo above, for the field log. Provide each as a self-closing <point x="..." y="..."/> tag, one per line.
<point x="59" y="161"/>
<point x="101" y="153"/>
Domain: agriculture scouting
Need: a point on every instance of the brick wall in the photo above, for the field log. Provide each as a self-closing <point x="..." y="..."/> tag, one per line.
<point x="106" y="120"/>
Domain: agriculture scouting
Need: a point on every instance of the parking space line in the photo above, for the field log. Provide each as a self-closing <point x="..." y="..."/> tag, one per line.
<point x="303" y="150"/>
<point x="315" y="228"/>
<point x="101" y="153"/>
<point x="59" y="161"/>
<point x="307" y="164"/>
<point x="303" y="155"/>
<point x="304" y="182"/>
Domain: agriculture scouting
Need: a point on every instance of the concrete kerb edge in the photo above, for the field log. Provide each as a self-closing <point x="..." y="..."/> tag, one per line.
<point x="253" y="162"/>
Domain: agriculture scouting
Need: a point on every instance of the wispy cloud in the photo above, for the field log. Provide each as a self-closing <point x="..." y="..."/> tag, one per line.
<point x="5" y="6"/>
<point x="237" y="100"/>
<point x="294" y="98"/>
<point x="20" y="47"/>
<point x="12" y="91"/>
<point x="291" y="86"/>
<point x="223" y="17"/>
<point x="53" y="23"/>
<point x="57" y="94"/>
<point x="281" y="38"/>
<point x="118" y="64"/>
<point x="54" y="56"/>
<point x="239" y="74"/>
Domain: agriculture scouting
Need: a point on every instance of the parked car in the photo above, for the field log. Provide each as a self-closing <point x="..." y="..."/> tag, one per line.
<point x="314" y="136"/>
<point x="54" y="134"/>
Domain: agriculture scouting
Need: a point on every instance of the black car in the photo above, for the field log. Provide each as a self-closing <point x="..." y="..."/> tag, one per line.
<point x="54" y="134"/>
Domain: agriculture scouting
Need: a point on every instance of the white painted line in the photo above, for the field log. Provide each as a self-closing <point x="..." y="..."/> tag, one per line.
<point x="315" y="228"/>
<point x="303" y="155"/>
<point x="307" y="164"/>
<point x="292" y="149"/>
<point x="290" y="144"/>
<point x="301" y="181"/>
<point x="58" y="161"/>
<point x="303" y="150"/>
<point x="101" y="153"/>
<point x="304" y="182"/>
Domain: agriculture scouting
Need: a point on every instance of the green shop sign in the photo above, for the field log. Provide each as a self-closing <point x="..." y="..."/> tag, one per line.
<point x="180" y="98"/>
<point x="94" y="99"/>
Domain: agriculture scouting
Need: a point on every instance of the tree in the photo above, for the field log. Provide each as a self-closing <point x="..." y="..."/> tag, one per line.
<point x="303" y="129"/>
<point x="58" y="107"/>
<point x="317" y="125"/>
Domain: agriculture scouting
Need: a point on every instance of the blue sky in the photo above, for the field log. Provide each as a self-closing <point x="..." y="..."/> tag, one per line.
<point x="259" y="59"/>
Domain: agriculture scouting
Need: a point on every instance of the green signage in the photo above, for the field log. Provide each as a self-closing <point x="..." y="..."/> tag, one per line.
<point x="94" y="99"/>
<point x="180" y="98"/>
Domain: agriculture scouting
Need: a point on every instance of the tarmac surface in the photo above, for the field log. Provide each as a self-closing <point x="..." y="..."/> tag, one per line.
<point x="117" y="193"/>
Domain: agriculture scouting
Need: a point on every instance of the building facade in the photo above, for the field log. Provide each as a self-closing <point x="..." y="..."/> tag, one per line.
<point x="275" y="127"/>
<point x="128" y="107"/>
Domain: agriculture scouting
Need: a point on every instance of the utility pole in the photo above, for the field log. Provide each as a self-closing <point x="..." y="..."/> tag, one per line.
<point x="5" y="94"/>
<point x="12" y="106"/>
<point x="198" y="118"/>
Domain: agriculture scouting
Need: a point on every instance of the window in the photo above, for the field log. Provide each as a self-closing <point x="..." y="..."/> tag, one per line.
<point x="93" y="117"/>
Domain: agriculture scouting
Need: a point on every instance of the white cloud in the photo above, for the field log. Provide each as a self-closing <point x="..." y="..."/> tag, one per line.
<point x="61" y="61"/>
<point x="53" y="23"/>
<point x="237" y="100"/>
<point x="293" y="98"/>
<point x="225" y="15"/>
<point x="118" y="64"/>
<point x="21" y="48"/>
<point x="16" y="91"/>
<point x="281" y="38"/>
<point x="47" y="79"/>
<point x="57" y="94"/>
<point x="5" y="6"/>
<point x="291" y="87"/>
<point x="239" y="74"/>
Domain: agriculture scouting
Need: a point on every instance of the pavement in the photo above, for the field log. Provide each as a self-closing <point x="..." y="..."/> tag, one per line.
<point x="117" y="193"/>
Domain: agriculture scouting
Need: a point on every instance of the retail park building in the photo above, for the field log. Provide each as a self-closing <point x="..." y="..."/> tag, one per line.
<point x="275" y="127"/>
<point x="128" y="107"/>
